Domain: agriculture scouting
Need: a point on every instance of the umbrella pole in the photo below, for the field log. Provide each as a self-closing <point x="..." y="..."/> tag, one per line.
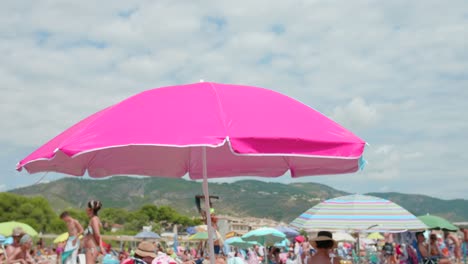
<point x="358" y="248"/>
<point x="207" y="207"/>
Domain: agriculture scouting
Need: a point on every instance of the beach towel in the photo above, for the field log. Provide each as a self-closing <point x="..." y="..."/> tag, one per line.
<point x="70" y="252"/>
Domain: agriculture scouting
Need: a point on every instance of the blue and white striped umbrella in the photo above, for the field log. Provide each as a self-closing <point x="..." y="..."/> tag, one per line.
<point x="358" y="213"/>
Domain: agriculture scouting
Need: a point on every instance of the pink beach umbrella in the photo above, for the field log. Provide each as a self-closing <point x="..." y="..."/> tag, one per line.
<point x="205" y="130"/>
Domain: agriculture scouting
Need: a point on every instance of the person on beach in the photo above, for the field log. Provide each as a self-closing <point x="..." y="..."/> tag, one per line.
<point x="453" y="244"/>
<point x="17" y="234"/>
<point x="22" y="254"/>
<point x="146" y="251"/>
<point x="59" y="251"/>
<point x="434" y="254"/>
<point x="2" y="255"/>
<point x="274" y="255"/>
<point x="75" y="230"/>
<point x="464" y="244"/>
<point x="92" y="241"/>
<point x="324" y="244"/>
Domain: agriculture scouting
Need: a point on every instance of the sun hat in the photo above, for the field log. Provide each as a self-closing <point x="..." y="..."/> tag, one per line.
<point x="322" y="236"/>
<point x="17" y="231"/>
<point x="25" y="239"/>
<point x="146" y="249"/>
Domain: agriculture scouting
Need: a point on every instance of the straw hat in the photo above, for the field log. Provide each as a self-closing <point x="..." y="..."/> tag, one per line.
<point x="17" y="231"/>
<point x="146" y="249"/>
<point x="322" y="236"/>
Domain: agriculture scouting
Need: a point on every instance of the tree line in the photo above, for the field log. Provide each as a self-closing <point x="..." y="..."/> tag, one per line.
<point x="37" y="212"/>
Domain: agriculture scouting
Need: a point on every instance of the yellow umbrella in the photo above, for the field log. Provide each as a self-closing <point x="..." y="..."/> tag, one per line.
<point x="375" y="235"/>
<point x="230" y="234"/>
<point x="6" y="228"/>
<point x="61" y="238"/>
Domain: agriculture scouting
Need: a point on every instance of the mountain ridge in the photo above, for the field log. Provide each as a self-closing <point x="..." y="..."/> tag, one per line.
<point x="278" y="201"/>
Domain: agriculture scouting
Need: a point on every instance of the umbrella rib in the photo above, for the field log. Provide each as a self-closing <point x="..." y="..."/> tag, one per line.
<point x="221" y="112"/>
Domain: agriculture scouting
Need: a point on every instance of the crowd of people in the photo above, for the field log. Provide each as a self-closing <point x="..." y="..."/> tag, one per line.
<point x="443" y="248"/>
<point x="21" y="249"/>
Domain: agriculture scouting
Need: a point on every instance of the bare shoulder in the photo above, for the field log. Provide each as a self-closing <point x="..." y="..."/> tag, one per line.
<point x="95" y="219"/>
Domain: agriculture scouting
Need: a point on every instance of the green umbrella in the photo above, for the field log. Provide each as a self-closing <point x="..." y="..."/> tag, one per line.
<point x="437" y="223"/>
<point x="265" y="236"/>
<point x="238" y="242"/>
<point x="6" y="228"/>
<point x="201" y="236"/>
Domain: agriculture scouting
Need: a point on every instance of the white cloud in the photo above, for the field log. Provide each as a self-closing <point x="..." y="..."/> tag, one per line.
<point x="394" y="72"/>
<point x="356" y="114"/>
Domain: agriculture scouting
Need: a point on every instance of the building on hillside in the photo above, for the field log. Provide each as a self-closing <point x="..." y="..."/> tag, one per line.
<point x="116" y="228"/>
<point x="236" y="226"/>
<point x="228" y="224"/>
<point x="256" y="223"/>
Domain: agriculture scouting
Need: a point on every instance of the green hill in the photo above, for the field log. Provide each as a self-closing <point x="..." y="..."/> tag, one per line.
<point x="282" y="202"/>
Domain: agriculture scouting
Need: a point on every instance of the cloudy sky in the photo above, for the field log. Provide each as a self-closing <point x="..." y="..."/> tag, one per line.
<point x="393" y="72"/>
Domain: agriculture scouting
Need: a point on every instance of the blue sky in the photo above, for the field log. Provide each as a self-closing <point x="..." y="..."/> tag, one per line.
<point x="393" y="72"/>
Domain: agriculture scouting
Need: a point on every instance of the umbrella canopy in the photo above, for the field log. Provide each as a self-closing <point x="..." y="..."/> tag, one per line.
<point x="239" y="242"/>
<point x="203" y="235"/>
<point x="249" y="131"/>
<point x="437" y="223"/>
<point x="264" y="236"/>
<point x="199" y="236"/>
<point x="288" y="231"/>
<point x="231" y="234"/>
<point x="205" y="130"/>
<point x="8" y="241"/>
<point x="61" y="238"/>
<point x="343" y="237"/>
<point x="375" y="236"/>
<point x="191" y="230"/>
<point x="358" y="213"/>
<point x="367" y="241"/>
<point x="6" y="228"/>
<point x="147" y="235"/>
<point x="285" y="243"/>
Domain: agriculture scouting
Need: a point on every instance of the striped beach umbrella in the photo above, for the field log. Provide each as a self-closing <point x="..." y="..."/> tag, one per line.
<point x="358" y="213"/>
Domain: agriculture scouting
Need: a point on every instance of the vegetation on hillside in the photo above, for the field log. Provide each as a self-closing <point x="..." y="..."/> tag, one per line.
<point x="34" y="211"/>
<point x="281" y="202"/>
<point x="37" y="212"/>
